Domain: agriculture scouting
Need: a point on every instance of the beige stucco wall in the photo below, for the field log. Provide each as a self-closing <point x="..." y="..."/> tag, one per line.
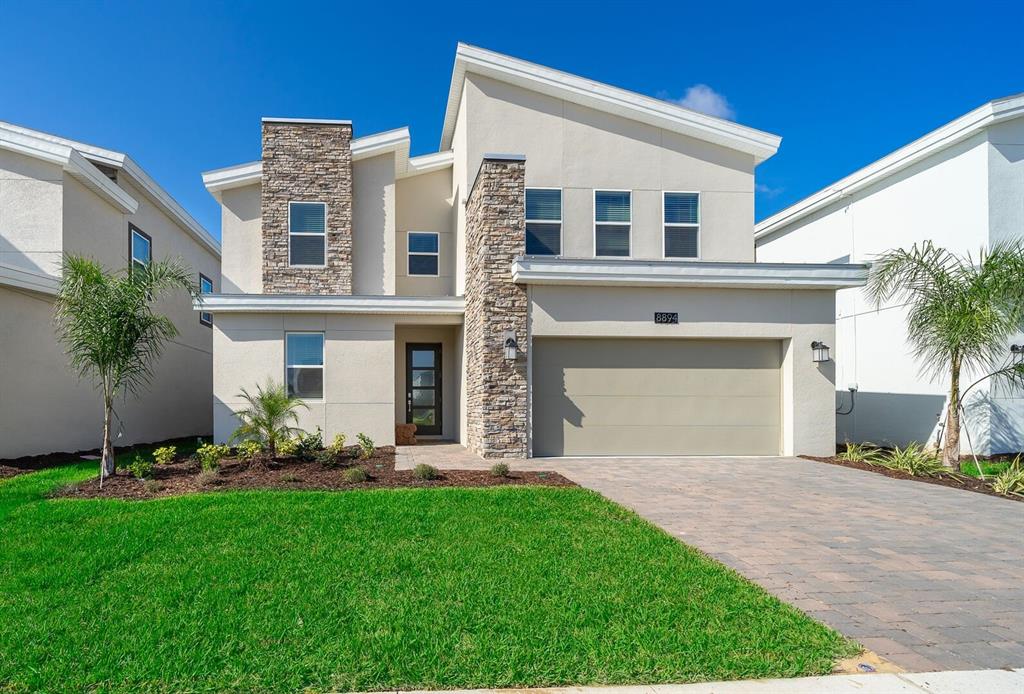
<point x="423" y="203"/>
<point x="796" y="317"/>
<point x="450" y="372"/>
<point x="241" y="243"/>
<point x="30" y="213"/>
<point x="34" y="376"/>
<point x="579" y="150"/>
<point x="373" y="225"/>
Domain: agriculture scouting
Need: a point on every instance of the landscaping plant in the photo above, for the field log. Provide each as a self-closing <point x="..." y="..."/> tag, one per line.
<point x="355" y="475"/>
<point x="110" y="331"/>
<point x="165" y="455"/>
<point x="961" y="315"/>
<point x="287" y="446"/>
<point x="912" y="459"/>
<point x="499" y="470"/>
<point x="270" y="416"/>
<point x="366" y="446"/>
<point x="1010" y="480"/>
<point x="310" y="444"/>
<point x="424" y="472"/>
<point x="140" y="467"/>
<point x="858" y="452"/>
<point x="249" y="450"/>
<point x="210" y="456"/>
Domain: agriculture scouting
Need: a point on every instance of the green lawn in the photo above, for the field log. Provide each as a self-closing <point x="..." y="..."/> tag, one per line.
<point x="439" y="588"/>
<point x="990" y="468"/>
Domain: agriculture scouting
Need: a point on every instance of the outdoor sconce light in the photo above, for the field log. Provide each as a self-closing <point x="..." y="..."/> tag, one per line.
<point x="1017" y="354"/>
<point x="819" y="352"/>
<point x="509" y="340"/>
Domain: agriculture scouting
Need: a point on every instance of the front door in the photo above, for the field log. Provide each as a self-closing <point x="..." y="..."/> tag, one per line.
<point x="423" y="387"/>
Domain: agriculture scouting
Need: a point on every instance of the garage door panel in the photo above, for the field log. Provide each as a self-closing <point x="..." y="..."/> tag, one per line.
<point x="656" y="397"/>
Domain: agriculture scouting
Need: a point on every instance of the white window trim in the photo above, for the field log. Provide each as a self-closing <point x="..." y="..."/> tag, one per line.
<point x="629" y="224"/>
<point x="686" y="225"/>
<point x="306" y="233"/>
<point x="561" y="226"/>
<point x="205" y="317"/>
<point x="323" y="358"/>
<point x="133" y="232"/>
<point x="409" y="254"/>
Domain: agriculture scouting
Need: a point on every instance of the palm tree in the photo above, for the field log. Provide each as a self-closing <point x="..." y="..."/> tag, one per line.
<point x="110" y="331"/>
<point x="961" y="314"/>
<point x="269" y="416"/>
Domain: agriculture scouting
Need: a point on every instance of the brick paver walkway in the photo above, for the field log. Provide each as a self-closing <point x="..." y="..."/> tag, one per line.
<point x="929" y="577"/>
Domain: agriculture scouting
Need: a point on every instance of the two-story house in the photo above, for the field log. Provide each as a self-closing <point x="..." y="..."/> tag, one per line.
<point x="570" y="274"/>
<point x="59" y="196"/>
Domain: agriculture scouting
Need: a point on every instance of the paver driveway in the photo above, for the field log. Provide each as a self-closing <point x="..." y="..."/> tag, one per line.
<point x="927" y="576"/>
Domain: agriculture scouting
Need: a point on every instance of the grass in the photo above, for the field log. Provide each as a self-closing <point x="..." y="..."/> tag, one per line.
<point x="990" y="468"/>
<point x="384" y="589"/>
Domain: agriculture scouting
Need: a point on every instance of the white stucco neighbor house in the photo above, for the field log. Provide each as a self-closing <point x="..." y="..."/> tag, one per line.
<point x="571" y="273"/>
<point x="60" y="196"/>
<point x="960" y="186"/>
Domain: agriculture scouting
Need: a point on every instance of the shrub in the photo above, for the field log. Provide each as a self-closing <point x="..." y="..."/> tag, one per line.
<point x="337" y="446"/>
<point x="499" y="470"/>
<point x="287" y="446"/>
<point x="249" y="450"/>
<point x="165" y="455"/>
<point x="912" y="459"/>
<point x="327" y="458"/>
<point x="424" y="472"/>
<point x="290" y="477"/>
<point x="1010" y="480"/>
<point x="210" y="455"/>
<point x="269" y="417"/>
<point x="152" y="486"/>
<point x="208" y="478"/>
<point x="355" y="475"/>
<point x="858" y="452"/>
<point x="141" y="467"/>
<point x="310" y="444"/>
<point x="366" y="446"/>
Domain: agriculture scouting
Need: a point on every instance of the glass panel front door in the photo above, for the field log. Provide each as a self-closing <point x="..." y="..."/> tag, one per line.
<point x="423" y="387"/>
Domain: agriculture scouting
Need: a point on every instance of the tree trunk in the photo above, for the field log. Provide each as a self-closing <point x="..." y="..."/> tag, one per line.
<point x="951" y="449"/>
<point x="107" y="461"/>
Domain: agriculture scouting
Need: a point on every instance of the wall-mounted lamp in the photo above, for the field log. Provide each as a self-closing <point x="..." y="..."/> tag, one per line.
<point x="819" y="352"/>
<point x="508" y="339"/>
<point x="1017" y="354"/>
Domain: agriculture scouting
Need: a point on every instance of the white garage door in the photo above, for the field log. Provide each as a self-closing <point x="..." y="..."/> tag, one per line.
<point x="656" y="397"/>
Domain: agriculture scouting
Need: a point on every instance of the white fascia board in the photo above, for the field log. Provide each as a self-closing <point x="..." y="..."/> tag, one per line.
<point x="602" y="97"/>
<point x="298" y="303"/>
<point x="232" y="177"/>
<point x="94" y="179"/>
<point x="21" y="278"/>
<point x="540" y="270"/>
<point x="425" y="163"/>
<point x="937" y="140"/>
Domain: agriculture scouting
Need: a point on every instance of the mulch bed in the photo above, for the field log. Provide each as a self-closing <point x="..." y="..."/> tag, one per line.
<point x="965" y="482"/>
<point x="9" y="467"/>
<point x="182" y="477"/>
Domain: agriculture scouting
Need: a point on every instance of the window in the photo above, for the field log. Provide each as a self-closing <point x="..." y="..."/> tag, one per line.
<point x="304" y="365"/>
<point x="307" y="233"/>
<point x="543" y="221"/>
<point x="611" y="222"/>
<point x="141" y="247"/>
<point x="423" y="253"/>
<point x="205" y="287"/>
<point x="682" y="225"/>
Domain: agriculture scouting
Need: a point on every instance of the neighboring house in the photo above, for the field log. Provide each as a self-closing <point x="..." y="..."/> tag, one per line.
<point x="59" y="196"/>
<point x="571" y="274"/>
<point x="960" y="186"/>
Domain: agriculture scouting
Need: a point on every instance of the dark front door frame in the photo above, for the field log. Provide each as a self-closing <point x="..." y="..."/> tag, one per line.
<point x="435" y="347"/>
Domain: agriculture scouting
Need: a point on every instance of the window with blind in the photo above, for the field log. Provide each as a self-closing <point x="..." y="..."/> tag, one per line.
<point x="307" y="234"/>
<point x="682" y="225"/>
<point x="543" y="221"/>
<point x="424" y="250"/>
<point x="612" y="220"/>
<point x="304" y="365"/>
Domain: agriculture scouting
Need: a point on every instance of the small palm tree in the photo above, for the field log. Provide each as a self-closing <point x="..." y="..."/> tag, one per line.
<point x="269" y="416"/>
<point x="111" y="333"/>
<point x="961" y="314"/>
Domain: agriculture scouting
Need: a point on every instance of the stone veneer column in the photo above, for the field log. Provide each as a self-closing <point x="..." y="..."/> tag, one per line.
<point x="496" y="405"/>
<point x="307" y="161"/>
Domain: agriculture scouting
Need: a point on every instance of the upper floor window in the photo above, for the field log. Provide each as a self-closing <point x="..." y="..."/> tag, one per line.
<point x="543" y="221"/>
<point x="141" y="247"/>
<point x="423" y="253"/>
<point x="682" y="225"/>
<point x="304" y="364"/>
<point x="307" y="233"/>
<point x="612" y="222"/>
<point x="205" y="287"/>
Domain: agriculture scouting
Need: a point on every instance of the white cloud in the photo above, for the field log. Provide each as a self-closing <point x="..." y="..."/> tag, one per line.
<point x="701" y="97"/>
<point x="767" y="190"/>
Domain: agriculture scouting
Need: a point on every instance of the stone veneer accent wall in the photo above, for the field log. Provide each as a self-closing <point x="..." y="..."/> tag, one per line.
<point x="496" y="404"/>
<point x="307" y="162"/>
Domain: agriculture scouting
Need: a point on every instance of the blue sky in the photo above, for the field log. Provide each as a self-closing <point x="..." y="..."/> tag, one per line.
<point x="182" y="87"/>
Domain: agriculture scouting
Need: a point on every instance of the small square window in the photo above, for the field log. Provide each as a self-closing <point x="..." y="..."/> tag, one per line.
<point x="307" y="234"/>
<point x="304" y="365"/>
<point x="424" y="253"/>
<point x="205" y="287"/>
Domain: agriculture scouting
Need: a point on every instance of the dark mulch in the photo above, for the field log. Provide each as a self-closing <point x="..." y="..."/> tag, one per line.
<point x="182" y="477"/>
<point x="9" y="467"/>
<point x="965" y="482"/>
